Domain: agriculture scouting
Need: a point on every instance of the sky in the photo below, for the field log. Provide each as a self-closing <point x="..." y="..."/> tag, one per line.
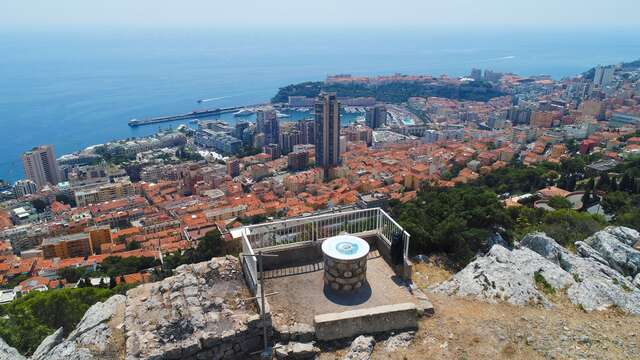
<point x="536" y="14"/>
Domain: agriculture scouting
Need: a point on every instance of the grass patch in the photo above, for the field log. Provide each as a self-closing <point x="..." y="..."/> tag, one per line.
<point x="542" y="284"/>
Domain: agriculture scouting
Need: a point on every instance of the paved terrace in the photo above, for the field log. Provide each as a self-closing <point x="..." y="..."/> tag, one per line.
<point x="302" y="295"/>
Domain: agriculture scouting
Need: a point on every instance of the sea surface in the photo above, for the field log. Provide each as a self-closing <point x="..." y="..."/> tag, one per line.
<point x="76" y="88"/>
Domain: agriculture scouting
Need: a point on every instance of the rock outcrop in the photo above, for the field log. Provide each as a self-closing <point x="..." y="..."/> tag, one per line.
<point x="197" y="313"/>
<point x="97" y="336"/>
<point x="506" y="275"/>
<point x="48" y="344"/>
<point x="593" y="279"/>
<point x="9" y="353"/>
<point x="615" y="244"/>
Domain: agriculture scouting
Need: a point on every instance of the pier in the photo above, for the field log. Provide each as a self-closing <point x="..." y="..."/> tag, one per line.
<point x="191" y="115"/>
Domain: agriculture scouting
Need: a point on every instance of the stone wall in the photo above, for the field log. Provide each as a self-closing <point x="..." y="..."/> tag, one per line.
<point x="202" y="312"/>
<point x="366" y="321"/>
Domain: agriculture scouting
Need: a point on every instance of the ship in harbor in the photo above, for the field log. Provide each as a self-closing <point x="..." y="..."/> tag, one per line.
<point x="192" y="115"/>
<point x="243" y="112"/>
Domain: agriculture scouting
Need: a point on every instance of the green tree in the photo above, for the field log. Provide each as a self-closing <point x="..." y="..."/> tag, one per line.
<point x="559" y="202"/>
<point x="71" y="274"/>
<point x="604" y="182"/>
<point x="39" y="204"/>
<point x="613" y="202"/>
<point x="66" y="199"/>
<point x="27" y="320"/>
<point x="629" y="218"/>
<point x="116" y="266"/>
<point x="133" y="245"/>
<point x="454" y="221"/>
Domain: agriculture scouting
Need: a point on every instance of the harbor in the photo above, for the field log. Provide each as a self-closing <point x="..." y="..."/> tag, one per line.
<point x="192" y="115"/>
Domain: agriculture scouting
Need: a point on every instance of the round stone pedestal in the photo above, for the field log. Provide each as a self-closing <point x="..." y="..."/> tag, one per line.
<point x="345" y="263"/>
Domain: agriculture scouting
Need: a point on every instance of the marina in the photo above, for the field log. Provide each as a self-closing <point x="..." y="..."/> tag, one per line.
<point x="242" y="110"/>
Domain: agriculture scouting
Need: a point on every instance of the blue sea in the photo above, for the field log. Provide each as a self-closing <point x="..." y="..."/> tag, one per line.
<point x="76" y="88"/>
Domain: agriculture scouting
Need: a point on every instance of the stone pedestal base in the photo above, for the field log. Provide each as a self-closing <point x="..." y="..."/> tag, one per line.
<point x="345" y="275"/>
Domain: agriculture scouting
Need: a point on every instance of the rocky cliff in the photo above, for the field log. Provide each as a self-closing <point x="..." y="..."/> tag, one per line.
<point x="603" y="273"/>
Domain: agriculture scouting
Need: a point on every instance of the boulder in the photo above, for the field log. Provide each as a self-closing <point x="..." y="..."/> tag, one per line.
<point x="614" y="244"/>
<point x="624" y="234"/>
<point x="361" y="348"/>
<point x="399" y="341"/>
<point x="9" y="353"/>
<point x="296" y="351"/>
<point x="544" y="246"/>
<point x="587" y="251"/>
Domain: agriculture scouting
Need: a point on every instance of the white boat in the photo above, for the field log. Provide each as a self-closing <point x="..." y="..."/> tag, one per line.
<point x="281" y="115"/>
<point x="243" y="112"/>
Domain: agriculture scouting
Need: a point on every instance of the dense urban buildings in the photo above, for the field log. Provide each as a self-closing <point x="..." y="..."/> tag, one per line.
<point x="156" y="197"/>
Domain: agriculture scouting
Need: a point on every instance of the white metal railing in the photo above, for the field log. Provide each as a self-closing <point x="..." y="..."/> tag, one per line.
<point x="250" y="262"/>
<point x="317" y="228"/>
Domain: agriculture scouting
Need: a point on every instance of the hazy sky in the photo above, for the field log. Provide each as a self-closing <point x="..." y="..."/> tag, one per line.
<point x="320" y="13"/>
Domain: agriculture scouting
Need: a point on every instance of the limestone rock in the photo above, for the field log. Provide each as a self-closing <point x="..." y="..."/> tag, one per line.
<point x="590" y="282"/>
<point x="495" y="239"/>
<point x="296" y="351"/>
<point x="399" y="341"/>
<point x="9" y="353"/>
<point x="615" y="245"/>
<point x="597" y="286"/>
<point x="587" y="251"/>
<point x="506" y="275"/>
<point x="96" y="336"/>
<point x="47" y="344"/>
<point x="361" y="348"/>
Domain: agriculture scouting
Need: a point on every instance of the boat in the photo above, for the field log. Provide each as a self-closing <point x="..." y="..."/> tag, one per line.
<point x="281" y="115"/>
<point x="243" y="112"/>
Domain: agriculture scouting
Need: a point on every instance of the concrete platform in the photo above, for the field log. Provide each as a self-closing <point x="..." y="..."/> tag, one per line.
<point x="302" y="295"/>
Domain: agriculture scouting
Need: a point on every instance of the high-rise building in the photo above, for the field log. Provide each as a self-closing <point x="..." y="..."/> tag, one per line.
<point x="272" y="150"/>
<point x="542" y="119"/>
<point x="376" y="116"/>
<point x="476" y="74"/>
<point x="327" y="117"/>
<point x="289" y="139"/>
<point x="307" y="130"/>
<point x="40" y="165"/>
<point x="25" y="187"/>
<point x="240" y="128"/>
<point x="603" y="76"/>
<point x="298" y="160"/>
<point x="268" y="124"/>
<point x="233" y="167"/>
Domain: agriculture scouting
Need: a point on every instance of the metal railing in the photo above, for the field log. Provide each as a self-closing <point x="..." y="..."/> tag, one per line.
<point x="305" y="230"/>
